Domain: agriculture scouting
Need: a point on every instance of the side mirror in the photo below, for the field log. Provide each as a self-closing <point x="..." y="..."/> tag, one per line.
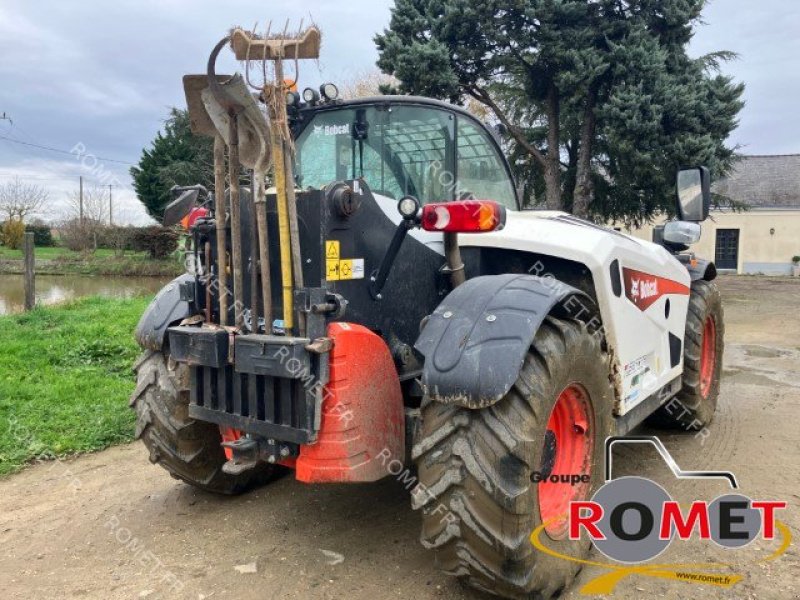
<point x="181" y="206"/>
<point x="681" y="233"/>
<point x="694" y="194"/>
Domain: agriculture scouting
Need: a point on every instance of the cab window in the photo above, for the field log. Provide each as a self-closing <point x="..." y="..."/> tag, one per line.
<point x="481" y="172"/>
<point x="403" y="150"/>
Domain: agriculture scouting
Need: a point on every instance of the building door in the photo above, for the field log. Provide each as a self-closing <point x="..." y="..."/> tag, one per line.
<point x="727" y="252"/>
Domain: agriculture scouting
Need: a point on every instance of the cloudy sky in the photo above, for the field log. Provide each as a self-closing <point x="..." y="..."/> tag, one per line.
<point x="97" y="78"/>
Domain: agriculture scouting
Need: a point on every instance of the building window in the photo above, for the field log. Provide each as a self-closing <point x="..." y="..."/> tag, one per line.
<point x="727" y="249"/>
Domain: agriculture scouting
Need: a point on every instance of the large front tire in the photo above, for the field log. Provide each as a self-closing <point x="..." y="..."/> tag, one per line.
<point x="188" y="449"/>
<point x="478" y="501"/>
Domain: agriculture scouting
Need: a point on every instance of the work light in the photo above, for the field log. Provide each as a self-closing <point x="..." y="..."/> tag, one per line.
<point x="311" y="96"/>
<point x="329" y="91"/>
<point x="408" y="207"/>
<point x="292" y="99"/>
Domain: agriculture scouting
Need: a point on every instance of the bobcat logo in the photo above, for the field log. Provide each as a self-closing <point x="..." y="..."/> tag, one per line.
<point x="648" y="289"/>
<point x="331" y="129"/>
<point x="643" y="289"/>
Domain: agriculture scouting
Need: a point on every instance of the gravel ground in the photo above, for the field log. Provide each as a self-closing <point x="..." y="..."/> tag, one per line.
<point x="110" y="525"/>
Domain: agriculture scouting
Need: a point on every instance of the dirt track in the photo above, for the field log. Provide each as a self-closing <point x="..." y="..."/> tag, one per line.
<point x="111" y="525"/>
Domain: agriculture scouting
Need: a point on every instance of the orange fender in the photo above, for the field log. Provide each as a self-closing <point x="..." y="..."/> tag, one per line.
<point x="363" y="420"/>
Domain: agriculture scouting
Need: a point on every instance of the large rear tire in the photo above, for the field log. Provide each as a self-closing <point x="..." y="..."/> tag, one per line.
<point x="188" y="449"/>
<point x="704" y="342"/>
<point x="477" y="496"/>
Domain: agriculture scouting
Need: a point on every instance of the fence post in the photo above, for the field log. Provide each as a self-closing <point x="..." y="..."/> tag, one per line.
<point x="30" y="274"/>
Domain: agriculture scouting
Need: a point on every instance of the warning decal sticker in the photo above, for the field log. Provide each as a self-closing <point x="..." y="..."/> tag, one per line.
<point x="341" y="269"/>
<point x="332" y="270"/>
<point x="332" y="249"/>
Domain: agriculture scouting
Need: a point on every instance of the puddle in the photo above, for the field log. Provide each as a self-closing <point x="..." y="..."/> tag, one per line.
<point x="763" y="351"/>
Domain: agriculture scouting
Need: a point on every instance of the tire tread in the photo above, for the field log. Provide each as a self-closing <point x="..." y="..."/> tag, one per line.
<point x="188" y="449"/>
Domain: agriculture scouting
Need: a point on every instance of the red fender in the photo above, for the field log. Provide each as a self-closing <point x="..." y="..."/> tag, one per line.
<point x="362" y="412"/>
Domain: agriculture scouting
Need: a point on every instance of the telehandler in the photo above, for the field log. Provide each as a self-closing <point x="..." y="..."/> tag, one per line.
<point x="376" y="294"/>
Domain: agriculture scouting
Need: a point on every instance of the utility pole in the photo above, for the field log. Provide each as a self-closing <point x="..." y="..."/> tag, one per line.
<point x="80" y="200"/>
<point x="110" y="207"/>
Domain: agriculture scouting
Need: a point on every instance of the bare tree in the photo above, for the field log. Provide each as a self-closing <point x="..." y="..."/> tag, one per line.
<point x="95" y="204"/>
<point x="19" y="200"/>
<point x="82" y="234"/>
<point x="374" y="83"/>
<point x="366" y="83"/>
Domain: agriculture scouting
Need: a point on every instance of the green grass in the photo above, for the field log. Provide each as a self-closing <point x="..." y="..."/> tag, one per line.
<point x="102" y="262"/>
<point x="51" y="252"/>
<point x="65" y="379"/>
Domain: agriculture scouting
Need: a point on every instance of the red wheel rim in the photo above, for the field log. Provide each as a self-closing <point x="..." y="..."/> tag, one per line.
<point x="708" y="356"/>
<point x="568" y="451"/>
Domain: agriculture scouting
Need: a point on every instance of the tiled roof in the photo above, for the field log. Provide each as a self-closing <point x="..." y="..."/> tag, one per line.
<point x="763" y="181"/>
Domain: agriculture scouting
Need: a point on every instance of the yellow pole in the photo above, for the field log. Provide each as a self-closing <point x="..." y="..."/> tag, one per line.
<point x="276" y="96"/>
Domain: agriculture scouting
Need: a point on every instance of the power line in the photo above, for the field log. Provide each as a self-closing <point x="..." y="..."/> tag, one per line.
<point x="13" y="141"/>
<point x="63" y="178"/>
<point x="67" y="179"/>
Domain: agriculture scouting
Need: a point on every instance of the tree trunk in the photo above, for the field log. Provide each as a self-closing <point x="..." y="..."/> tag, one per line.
<point x="551" y="161"/>
<point x="552" y="167"/>
<point x="572" y="167"/>
<point x="584" y="190"/>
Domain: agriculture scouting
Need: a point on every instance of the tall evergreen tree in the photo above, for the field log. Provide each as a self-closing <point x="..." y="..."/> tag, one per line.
<point x="176" y="157"/>
<point x="600" y="97"/>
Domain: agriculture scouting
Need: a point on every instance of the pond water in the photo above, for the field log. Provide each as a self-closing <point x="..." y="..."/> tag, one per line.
<point x="52" y="289"/>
